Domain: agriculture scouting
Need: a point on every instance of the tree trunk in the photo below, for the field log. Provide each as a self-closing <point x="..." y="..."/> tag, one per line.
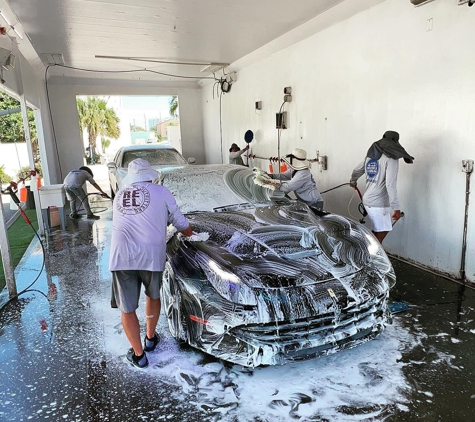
<point x="92" y="146"/>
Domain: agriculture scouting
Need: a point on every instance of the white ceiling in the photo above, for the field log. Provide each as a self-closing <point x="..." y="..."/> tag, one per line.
<point x="191" y="30"/>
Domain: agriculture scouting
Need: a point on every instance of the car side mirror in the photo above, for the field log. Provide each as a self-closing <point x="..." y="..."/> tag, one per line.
<point x="111" y="166"/>
<point x="191" y="160"/>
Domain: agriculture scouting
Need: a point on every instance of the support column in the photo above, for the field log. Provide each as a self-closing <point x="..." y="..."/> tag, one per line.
<point x="6" y="256"/>
<point x="26" y="128"/>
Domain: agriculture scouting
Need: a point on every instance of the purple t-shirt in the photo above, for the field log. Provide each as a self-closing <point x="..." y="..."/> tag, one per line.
<point x="141" y="213"/>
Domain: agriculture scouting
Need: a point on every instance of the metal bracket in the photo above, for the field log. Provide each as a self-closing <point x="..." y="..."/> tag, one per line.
<point x="467" y="166"/>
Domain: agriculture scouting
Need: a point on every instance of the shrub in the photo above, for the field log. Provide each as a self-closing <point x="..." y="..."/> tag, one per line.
<point x="24" y="172"/>
<point x="4" y="177"/>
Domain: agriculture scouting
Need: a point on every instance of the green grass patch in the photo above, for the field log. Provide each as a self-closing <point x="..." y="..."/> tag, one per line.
<point x="19" y="236"/>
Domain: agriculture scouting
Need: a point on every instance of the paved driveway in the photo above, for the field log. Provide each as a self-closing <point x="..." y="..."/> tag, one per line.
<point x="7" y="212"/>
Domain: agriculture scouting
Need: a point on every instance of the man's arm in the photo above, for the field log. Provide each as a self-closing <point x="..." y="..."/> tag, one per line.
<point x="234" y="155"/>
<point x="294" y="183"/>
<point x="103" y="194"/>
<point x="357" y="173"/>
<point x="286" y="175"/>
<point x="187" y="232"/>
<point x="391" y="186"/>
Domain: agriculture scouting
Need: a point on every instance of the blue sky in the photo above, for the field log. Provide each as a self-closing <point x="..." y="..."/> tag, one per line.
<point x="146" y="107"/>
<point x="141" y="104"/>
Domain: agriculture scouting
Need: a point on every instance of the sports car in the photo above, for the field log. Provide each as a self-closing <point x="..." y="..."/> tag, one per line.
<point x="267" y="280"/>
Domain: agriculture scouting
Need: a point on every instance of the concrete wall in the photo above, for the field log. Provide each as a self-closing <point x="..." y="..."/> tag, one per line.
<point x="391" y="67"/>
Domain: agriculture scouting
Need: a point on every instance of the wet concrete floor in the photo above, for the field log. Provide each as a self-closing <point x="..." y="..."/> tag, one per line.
<point x="62" y="355"/>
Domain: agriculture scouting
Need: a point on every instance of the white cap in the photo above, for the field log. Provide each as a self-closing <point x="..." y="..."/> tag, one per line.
<point x="139" y="170"/>
<point x="298" y="159"/>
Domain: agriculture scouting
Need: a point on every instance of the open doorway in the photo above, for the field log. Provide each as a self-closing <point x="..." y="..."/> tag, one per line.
<point x="108" y="123"/>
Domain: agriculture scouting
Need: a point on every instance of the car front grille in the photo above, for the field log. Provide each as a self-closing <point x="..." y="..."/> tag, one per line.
<point x="331" y="328"/>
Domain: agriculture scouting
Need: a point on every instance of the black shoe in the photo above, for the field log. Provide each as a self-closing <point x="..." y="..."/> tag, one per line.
<point x="150" y="344"/>
<point x="137" y="361"/>
<point x="93" y="217"/>
<point x="74" y="216"/>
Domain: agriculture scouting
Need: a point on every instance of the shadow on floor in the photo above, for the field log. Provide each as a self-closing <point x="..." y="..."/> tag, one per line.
<point x="62" y="355"/>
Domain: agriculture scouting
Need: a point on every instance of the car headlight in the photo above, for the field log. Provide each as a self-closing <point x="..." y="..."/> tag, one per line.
<point x="372" y="244"/>
<point x="229" y="285"/>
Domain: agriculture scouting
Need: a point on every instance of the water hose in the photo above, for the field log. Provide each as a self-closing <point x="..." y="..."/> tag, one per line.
<point x="15" y="199"/>
<point x="361" y="207"/>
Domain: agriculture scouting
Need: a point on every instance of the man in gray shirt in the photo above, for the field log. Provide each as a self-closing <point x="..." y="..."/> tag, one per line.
<point x="381" y="167"/>
<point x="75" y="193"/>
<point x="235" y="154"/>
<point x="299" y="179"/>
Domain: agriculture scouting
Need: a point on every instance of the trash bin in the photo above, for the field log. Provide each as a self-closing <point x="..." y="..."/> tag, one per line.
<point x="30" y="201"/>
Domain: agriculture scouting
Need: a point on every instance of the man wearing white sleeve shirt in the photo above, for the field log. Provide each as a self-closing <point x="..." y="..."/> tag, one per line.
<point x="381" y="166"/>
<point x="75" y="193"/>
<point x="142" y="210"/>
<point x="235" y="154"/>
<point x="300" y="179"/>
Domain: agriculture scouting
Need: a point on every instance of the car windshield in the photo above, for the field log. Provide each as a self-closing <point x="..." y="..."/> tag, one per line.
<point x="213" y="187"/>
<point x="156" y="157"/>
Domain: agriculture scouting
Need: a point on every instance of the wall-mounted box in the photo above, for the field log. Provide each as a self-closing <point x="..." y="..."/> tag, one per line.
<point x="281" y="120"/>
<point x="258" y="105"/>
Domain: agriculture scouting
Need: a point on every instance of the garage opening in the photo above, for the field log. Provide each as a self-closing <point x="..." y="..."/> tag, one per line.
<point x="108" y="123"/>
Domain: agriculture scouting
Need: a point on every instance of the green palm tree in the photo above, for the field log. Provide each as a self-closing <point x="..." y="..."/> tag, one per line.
<point x="98" y="120"/>
<point x="173" y="103"/>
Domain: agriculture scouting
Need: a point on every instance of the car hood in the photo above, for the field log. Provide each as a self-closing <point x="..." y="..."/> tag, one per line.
<point x="279" y="246"/>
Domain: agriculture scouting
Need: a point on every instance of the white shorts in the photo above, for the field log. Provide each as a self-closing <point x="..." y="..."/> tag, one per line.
<point x="380" y="218"/>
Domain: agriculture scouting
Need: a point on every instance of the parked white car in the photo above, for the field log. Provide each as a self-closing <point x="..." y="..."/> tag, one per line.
<point x="159" y="157"/>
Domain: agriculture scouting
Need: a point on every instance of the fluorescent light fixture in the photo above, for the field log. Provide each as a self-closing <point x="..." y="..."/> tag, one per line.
<point x="209" y="67"/>
<point x="214" y="67"/>
<point x="5" y="18"/>
<point x="10" y="25"/>
<point x="16" y="32"/>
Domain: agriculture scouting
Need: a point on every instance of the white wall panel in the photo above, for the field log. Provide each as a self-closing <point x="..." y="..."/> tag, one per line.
<point x="392" y="67"/>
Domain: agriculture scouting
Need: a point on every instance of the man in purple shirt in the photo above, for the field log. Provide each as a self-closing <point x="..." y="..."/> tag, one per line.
<point x="142" y="210"/>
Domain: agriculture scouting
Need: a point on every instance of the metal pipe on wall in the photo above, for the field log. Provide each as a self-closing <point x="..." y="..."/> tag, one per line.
<point x="467" y="167"/>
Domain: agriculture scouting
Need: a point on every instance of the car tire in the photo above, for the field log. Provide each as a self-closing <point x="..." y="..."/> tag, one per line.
<point x="172" y="304"/>
<point x="112" y="192"/>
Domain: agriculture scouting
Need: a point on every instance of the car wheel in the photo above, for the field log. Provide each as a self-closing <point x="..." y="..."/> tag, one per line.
<point x="171" y="300"/>
<point x="112" y="192"/>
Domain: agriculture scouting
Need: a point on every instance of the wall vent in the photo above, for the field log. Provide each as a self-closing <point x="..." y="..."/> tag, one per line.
<point x="52" y="59"/>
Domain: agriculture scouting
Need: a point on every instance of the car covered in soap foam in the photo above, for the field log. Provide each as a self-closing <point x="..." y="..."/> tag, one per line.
<point x="158" y="155"/>
<point x="273" y="281"/>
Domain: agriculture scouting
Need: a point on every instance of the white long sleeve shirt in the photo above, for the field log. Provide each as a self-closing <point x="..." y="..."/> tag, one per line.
<point x="140" y="217"/>
<point x="235" y="157"/>
<point x="302" y="184"/>
<point x="381" y="181"/>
